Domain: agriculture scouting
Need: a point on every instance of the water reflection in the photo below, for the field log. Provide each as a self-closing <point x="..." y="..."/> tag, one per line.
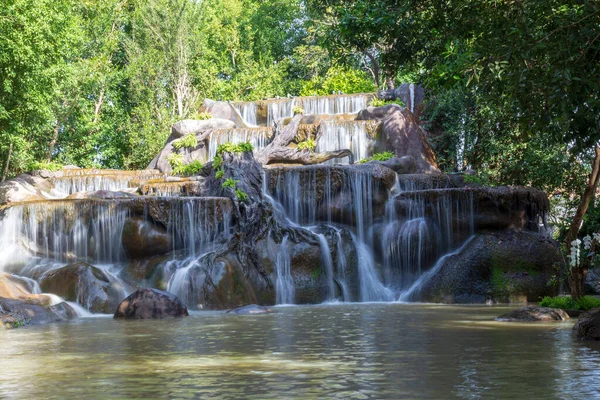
<point x="334" y="351"/>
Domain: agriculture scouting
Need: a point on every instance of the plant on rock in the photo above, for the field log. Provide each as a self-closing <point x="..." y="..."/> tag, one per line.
<point x="203" y="116"/>
<point x="189" y="142"/>
<point x="379" y="103"/>
<point x="298" y="110"/>
<point x="567" y="303"/>
<point x="308" y="144"/>
<point x="387" y="155"/>
<point x="229" y="183"/>
<point x="189" y="169"/>
<point x="229" y="147"/>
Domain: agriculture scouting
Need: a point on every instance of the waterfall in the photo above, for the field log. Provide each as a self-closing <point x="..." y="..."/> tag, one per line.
<point x="341" y="264"/>
<point x="258" y="137"/>
<point x="411" y="88"/>
<point x="248" y="112"/>
<point x="328" y="263"/>
<point x="284" y="288"/>
<point x="371" y="288"/>
<point x="415" y="288"/>
<point x="279" y="109"/>
<point x="352" y="135"/>
<point x="91" y="180"/>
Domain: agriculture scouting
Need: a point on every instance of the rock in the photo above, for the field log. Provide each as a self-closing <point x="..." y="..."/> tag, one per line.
<point x="142" y="239"/>
<point x="402" y="135"/>
<point x="85" y="284"/>
<point x="506" y="266"/>
<point x="102" y="195"/>
<point x="378" y="113"/>
<point x="588" y="325"/>
<point x="187" y="126"/>
<point x="151" y="303"/>
<point x="224" y="110"/>
<point x="17" y="313"/>
<point x="592" y="281"/>
<point x="25" y="187"/>
<point x="534" y="313"/>
<point x="251" y="309"/>
<point x="19" y="288"/>
<point x="412" y="95"/>
<point x="401" y="165"/>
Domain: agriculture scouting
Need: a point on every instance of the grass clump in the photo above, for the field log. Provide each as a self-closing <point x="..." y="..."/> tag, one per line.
<point x="241" y="195"/>
<point x="188" y="169"/>
<point x="175" y="160"/>
<point x="298" y="110"/>
<point x="189" y="142"/>
<point x="229" y="183"/>
<point x="308" y="144"/>
<point x="387" y="155"/>
<point x="243" y="147"/>
<point x="567" y="303"/>
<point x="219" y="174"/>
<point x="379" y="103"/>
<point x="203" y="116"/>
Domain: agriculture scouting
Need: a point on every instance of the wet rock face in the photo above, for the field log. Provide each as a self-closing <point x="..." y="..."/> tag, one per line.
<point x="534" y="313"/>
<point x="503" y="266"/>
<point x="85" y="284"/>
<point x="143" y="239"/>
<point x="25" y="187"/>
<point x="17" y="313"/>
<point x="150" y="303"/>
<point x="588" y="325"/>
<point x="18" y="288"/>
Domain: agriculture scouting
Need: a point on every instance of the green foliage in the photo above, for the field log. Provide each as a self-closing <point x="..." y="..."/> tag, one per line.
<point x="338" y="79"/>
<point x="241" y="195"/>
<point x="203" y="116"/>
<point x="567" y="303"/>
<point x="45" y="166"/>
<point x="217" y="161"/>
<point x="379" y="103"/>
<point x="499" y="280"/>
<point x="234" y="148"/>
<point x="175" y="161"/>
<point x="386" y="155"/>
<point x="219" y="174"/>
<point x="189" y="142"/>
<point x="298" y="110"/>
<point x="308" y="144"/>
<point x="188" y="169"/>
<point x="229" y="183"/>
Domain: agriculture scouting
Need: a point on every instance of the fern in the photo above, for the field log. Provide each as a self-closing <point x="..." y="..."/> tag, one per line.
<point x="189" y="141"/>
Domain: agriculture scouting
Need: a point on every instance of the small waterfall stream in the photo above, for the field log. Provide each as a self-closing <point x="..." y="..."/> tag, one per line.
<point x="284" y="289"/>
<point x="350" y="135"/>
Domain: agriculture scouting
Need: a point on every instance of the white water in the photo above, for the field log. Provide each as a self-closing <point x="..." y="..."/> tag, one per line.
<point x="328" y="264"/>
<point x="284" y="288"/>
<point x="352" y="135"/>
<point x="424" y="278"/>
<point x="258" y="137"/>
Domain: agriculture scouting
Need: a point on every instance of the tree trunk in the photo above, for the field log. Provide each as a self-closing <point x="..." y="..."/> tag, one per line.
<point x="579" y="272"/>
<point x="52" y="143"/>
<point x="278" y="150"/>
<point x="390" y="82"/>
<point x="375" y="70"/>
<point x="5" y="173"/>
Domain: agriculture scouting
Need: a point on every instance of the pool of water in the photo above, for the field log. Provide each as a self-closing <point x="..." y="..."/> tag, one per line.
<point x="346" y="351"/>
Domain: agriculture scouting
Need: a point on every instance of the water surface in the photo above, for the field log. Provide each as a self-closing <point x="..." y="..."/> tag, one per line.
<point x="346" y="351"/>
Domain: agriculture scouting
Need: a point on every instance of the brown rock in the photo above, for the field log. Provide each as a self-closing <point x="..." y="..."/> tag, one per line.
<point x="533" y="314"/>
<point x="588" y="325"/>
<point x="151" y="303"/>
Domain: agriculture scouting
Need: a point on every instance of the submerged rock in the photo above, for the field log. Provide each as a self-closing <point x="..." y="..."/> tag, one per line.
<point x="17" y="313"/>
<point x="85" y="284"/>
<point x="588" y="325"/>
<point x="250" y="310"/>
<point x="151" y="303"/>
<point x="534" y="313"/>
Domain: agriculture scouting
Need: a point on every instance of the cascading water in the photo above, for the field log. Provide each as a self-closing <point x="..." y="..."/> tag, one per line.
<point x="328" y="263"/>
<point x="248" y="112"/>
<point x="258" y="137"/>
<point x="350" y="135"/>
<point x="284" y="289"/>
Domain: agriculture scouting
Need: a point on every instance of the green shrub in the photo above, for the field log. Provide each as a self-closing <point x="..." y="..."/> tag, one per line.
<point x="234" y="148"/>
<point x="189" y="142"/>
<point x="175" y="160"/>
<point x="308" y="144"/>
<point x="189" y="169"/>
<point x="567" y="303"/>
<point x="203" y="116"/>
<point x="298" y="110"/>
<point x="242" y="196"/>
<point x="379" y="103"/>
<point x="44" y="165"/>
<point x="217" y="161"/>
<point x="229" y="183"/>
<point x="219" y="174"/>
<point x="387" y="155"/>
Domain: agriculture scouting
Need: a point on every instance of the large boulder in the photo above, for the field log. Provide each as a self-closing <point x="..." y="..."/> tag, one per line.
<point x="503" y="266"/>
<point x="17" y="313"/>
<point x="402" y="135"/>
<point x="20" y="288"/>
<point x="91" y="287"/>
<point x="187" y="126"/>
<point x="143" y="239"/>
<point x="378" y="113"/>
<point x="224" y="110"/>
<point x="588" y="325"/>
<point x="412" y="95"/>
<point x="25" y="187"/>
<point x="534" y="313"/>
<point x="151" y="303"/>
